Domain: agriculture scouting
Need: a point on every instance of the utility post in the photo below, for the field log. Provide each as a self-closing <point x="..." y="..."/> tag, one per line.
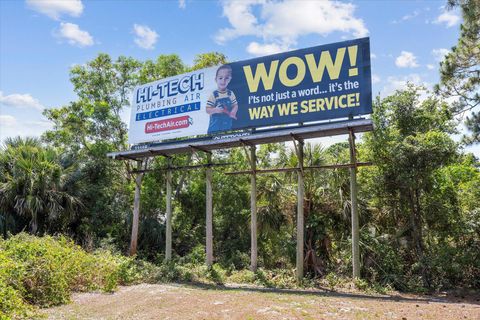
<point x="209" y="211"/>
<point x="300" y="220"/>
<point x="136" y="208"/>
<point x="353" y="195"/>
<point x="168" y="235"/>
<point x="253" y="209"/>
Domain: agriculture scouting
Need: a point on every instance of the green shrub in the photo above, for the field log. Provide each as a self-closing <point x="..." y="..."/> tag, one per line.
<point x="216" y="274"/>
<point x="196" y="256"/>
<point x="43" y="271"/>
<point x="12" y="304"/>
<point x="171" y="271"/>
<point x="242" y="276"/>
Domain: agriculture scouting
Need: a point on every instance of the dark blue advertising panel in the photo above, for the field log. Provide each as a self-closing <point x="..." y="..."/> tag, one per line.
<point x="319" y="83"/>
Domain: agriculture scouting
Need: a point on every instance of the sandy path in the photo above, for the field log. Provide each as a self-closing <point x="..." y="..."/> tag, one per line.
<point x="171" y="301"/>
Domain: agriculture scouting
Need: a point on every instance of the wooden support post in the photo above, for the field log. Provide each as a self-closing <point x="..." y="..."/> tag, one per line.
<point x="353" y="194"/>
<point x="253" y="210"/>
<point x="300" y="221"/>
<point x="168" y="232"/>
<point x="136" y="210"/>
<point x="209" y="210"/>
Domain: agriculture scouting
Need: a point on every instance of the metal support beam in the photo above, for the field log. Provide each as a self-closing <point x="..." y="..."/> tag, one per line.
<point x="300" y="221"/>
<point x="253" y="210"/>
<point x="136" y="209"/>
<point x="209" y="212"/>
<point x="197" y="148"/>
<point x="330" y="166"/>
<point x="168" y="232"/>
<point x="353" y="194"/>
<point x="183" y="168"/>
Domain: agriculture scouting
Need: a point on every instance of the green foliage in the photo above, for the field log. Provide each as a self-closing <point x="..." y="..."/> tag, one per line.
<point x="172" y="272"/>
<point x="44" y="272"/>
<point x="165" y="66"/>
<point x="460" y="70"/>
<point x="34" y="183"/>
<point x="418" y="204"/>
<point x="175" y="272"/>
<point x="12" y="304"/>
<point x="242" y="276"/>
<point x="416" y="195"/>
<point x="210" y="59"/>
<point x="381" y="260"/>
<point x="196" y="256"/>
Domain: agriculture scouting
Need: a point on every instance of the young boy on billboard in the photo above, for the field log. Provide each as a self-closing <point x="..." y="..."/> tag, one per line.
<point x="222" y="105"/>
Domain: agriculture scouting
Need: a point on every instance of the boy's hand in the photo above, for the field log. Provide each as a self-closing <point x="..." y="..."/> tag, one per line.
<point x="233" y="116"/>
<point x="219" y="110"/>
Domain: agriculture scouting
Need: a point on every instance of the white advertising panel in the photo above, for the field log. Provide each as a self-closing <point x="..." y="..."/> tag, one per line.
<point x="171" y="107"/>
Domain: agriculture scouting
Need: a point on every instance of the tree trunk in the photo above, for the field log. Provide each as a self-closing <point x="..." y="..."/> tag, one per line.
<point x="5" y="217"/>
<point x="417" y="234"/>
<point x="34" y="224"/>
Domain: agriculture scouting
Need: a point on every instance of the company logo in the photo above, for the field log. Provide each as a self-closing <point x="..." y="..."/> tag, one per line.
<point x="168" y="124"/>
<point x="189" y="83"/>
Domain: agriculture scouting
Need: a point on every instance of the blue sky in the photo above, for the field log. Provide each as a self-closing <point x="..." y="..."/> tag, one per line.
<point x="41" y="39"/>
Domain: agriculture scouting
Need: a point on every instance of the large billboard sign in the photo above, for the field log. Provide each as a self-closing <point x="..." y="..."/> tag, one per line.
<point x="319" y="83"/>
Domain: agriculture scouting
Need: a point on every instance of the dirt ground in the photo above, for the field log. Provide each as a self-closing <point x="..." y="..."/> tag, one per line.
<point x="178" y="301"/>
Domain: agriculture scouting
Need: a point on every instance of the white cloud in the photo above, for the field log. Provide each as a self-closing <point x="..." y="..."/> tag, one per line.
<point x="278" y="23"/>
<point x="56" y="8"/>
<point x="375" y="79"/>
<point x="406" y="60"/>
<point x="399" y="83"/>
<point x="257" y="49"/>
<point x="40" y="124"/>
<point x="241" y="18"/>
<point x="449" y="18"/>
<point x="411" y="15"/>
<point x="18" y="100"/>
<point x="408" y="16"/>
<point x="8" y="127"/>
<point x="74" y="35"/>
<point x="11" y="127"/>
<point x="439" y="54"/>
<point x="182" y="4"/>
<point x="430" y="66"/>
<point x="145" y="37"/>
<point x="373" y="56"/>
<point x="7" y="121"/>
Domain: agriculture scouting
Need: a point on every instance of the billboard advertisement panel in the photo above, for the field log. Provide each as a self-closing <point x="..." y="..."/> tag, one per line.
<point x="319" y="83"/>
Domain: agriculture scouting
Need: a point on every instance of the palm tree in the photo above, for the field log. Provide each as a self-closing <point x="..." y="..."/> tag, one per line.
<point x="32" y="183"/>
<point x="320" y="205"/>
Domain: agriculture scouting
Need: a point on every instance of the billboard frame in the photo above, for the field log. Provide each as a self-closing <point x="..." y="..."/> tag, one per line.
<point x="296" y="134"/>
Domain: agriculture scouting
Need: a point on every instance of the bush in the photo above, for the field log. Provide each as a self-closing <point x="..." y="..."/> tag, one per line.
<point x="12" y="304"/>
<point x="170" y="272"/>
<point x="242" y="276"/>
<point x="43" y="271"/>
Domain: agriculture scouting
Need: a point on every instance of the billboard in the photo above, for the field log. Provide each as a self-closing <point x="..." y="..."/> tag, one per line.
<point x="319" y="83"/>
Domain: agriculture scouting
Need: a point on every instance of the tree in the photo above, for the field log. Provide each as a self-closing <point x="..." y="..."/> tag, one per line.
<point x="206" y="60"/>
<point x="409" y="144"/>
<point x="460" y="70"/>
<point x="103" y="88"/>
<point x="165" y="66"/>
<point x="34" y="185"/>
<point x="85" y="130"/>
